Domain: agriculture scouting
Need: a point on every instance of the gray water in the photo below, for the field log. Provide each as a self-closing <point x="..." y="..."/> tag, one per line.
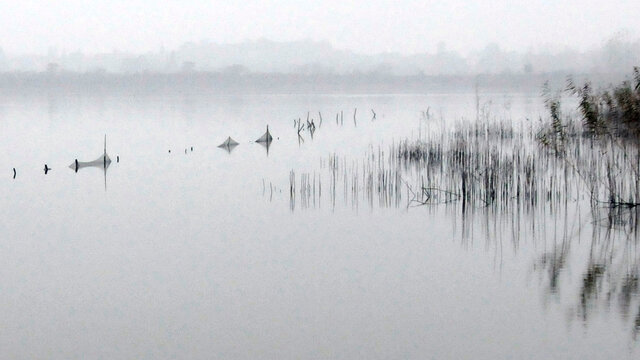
<point x="205" y="254"/>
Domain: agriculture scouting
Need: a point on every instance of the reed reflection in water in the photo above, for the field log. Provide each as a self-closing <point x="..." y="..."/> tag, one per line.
<point x="500" y="185"/>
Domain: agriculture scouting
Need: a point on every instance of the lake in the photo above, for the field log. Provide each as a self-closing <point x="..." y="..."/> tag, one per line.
<point x="289" y="251"/>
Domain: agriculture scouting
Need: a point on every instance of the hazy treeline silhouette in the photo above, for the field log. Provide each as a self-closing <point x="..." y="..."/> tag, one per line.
<point x="309" y="57"/>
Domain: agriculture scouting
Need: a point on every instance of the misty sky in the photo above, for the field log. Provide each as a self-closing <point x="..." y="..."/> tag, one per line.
<point x="364" y="26"/>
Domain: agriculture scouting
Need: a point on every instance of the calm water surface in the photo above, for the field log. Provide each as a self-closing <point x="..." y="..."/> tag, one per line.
<point x="205" y="254"/>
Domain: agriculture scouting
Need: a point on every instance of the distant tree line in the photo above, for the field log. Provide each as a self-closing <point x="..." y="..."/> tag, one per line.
<point x="320" y="58"/>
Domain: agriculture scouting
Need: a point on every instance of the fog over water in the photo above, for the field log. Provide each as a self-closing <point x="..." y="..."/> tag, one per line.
<point x="319" y="180"/>
<point x="178" y="253"/>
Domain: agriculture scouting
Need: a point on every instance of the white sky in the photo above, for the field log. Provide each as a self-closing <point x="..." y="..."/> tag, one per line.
<point x="365" y="26"/>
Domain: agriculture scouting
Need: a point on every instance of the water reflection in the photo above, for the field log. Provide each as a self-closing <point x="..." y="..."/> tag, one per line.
<point x="103" y="162"/>
<point x="229" y="144"/>
<point x="608" y="264"/>
<point x="228" y="148"/>
<point x="266" y="145"/>
<point x="265" y="140"/>
<point x="497" y="184"/>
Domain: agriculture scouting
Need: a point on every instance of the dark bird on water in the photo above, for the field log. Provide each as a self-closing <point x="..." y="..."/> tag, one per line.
<point x="14" y="173"/>
<point x="46" y="169"/>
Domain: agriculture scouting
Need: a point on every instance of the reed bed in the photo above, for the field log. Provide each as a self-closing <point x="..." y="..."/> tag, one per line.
<point x="479" y="165"/>
<point x="550" y="183"/>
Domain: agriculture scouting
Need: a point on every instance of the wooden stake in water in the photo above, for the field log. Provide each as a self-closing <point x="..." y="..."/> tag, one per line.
<point x="354" y="117"/>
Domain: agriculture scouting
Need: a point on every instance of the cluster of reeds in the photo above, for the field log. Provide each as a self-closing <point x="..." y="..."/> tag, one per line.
<point x="588" y="165"/>
<point x="308" y="191"/>
<point x="498" y="171"/>
<point x="310" y="124"/>
<point x="602" y="146"/>
<point x="480" y="165"/>
<point x="371" y="179"/>
<point x="484" y="164"/>
<point x="474" y="165"/>
<point x="613" y="111"/>
<point x="538" y="192"/>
